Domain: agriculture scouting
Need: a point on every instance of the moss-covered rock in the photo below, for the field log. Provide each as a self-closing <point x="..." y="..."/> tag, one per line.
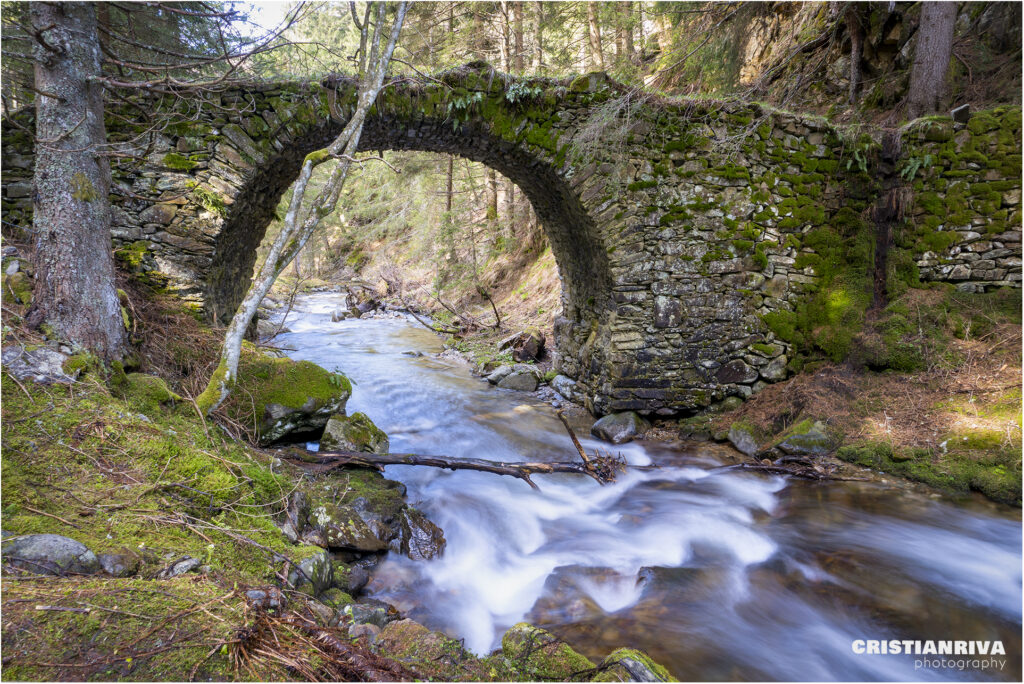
<point x="808" y="438"/>
<point x="146" y="392"/>
<point x="340" y="527"/>
<point x="540" y="655"/>
<point x="631" y="665"/>
<point x="18" y="287"/>
<point x="354" y="433"/>
<point x="285" y="399"/>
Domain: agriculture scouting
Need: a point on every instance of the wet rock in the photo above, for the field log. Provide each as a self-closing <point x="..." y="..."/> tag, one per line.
<point x="619" y="428"/>
<point x="808" y="438"/>
<point x="353" y="433"/>
<point x="119" y="564"/>
<point x="418" y="538"/>
<point x="42" y="365"/>
<point x="631" y="665"/>
<point x="539" y="655"/>
<point x="371" y="612"/>
<point x="340" y="527"/>
<point x="742" y="438"/>
<point x="49" y="554"/>
<point x="523" y="377"/>
<point x="179" y="567"/>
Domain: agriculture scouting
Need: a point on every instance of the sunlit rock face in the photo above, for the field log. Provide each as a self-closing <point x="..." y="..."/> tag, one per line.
<point x="678" y="226"/>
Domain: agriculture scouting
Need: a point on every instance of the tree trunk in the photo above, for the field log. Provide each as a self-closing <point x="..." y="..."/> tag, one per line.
<point x="626" y="30"/>
<point x="296" y="232"/>
<point x="856" y="48"/>
<point x="74" y="289"/>
<point x="518" y="58"/>
<point x="538" y="39"/>
<point x="931" y="58"/>
<point x="596" y="54"/>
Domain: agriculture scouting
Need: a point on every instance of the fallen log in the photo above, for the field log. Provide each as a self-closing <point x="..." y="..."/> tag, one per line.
<point x="329" y="460"/>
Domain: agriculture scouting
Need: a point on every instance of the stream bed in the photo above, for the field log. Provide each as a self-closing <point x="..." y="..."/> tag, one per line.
<point x="717" y="574"/>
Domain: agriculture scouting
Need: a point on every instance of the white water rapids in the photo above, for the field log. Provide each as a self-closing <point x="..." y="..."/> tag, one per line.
<point x="718" y="574"/>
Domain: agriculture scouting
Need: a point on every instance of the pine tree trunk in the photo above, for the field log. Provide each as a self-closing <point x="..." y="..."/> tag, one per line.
<point x="931" y="58"/>
<point x="74" y="289"/>
<point x="626" y="30"/>
<point x="518" y="57"/>
<point x="538" y="39"/>
<point x="596" y="54"/>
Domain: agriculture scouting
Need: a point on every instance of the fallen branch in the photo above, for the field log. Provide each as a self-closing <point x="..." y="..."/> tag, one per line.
<point x="329" y="460"/>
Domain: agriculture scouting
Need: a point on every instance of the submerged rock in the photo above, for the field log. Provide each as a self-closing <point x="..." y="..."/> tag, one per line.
<point x="50" y="554"/>
<point x="619" y="428"/>
<point x="354" y="433"/>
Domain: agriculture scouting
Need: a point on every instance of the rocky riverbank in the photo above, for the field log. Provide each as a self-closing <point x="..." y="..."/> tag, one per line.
<point x="143" y="542"/>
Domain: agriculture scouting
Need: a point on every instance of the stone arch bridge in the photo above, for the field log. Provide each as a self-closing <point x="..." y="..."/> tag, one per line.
<point x="676" y="225"/>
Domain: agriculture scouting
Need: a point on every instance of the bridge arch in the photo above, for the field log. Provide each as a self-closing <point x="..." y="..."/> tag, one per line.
<point x="681" y="228"/>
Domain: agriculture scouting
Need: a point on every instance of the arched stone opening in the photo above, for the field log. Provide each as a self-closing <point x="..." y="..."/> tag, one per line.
<point x="575" y="240"/>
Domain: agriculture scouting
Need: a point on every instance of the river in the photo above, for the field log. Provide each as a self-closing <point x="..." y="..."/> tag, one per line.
<point x="717" y="574"/>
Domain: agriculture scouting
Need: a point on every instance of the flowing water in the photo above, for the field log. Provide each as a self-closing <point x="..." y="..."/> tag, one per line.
<point x="717" y="574"/>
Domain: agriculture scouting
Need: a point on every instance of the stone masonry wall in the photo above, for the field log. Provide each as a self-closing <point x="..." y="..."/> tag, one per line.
<point x="677" y="226"/>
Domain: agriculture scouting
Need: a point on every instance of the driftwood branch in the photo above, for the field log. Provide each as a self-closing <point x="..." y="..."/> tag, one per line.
<point x="329" y="460"/>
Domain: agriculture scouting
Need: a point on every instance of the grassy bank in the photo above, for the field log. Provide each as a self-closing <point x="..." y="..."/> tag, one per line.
<point x="931" y="391"/>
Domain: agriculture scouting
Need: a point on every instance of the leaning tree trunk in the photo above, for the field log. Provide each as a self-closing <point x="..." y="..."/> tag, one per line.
<point x="931" y="58"/>
<point x="74" y="289"/>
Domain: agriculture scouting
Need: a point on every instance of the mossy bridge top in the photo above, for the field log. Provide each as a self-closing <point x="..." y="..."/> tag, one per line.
<point x="690" y="235"/>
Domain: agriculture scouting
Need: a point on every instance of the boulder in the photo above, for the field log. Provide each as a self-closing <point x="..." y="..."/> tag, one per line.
<point x="808" y="438"/>
<point x="294" y="399"/>
<point x="499" y="374"/>
<point x="42" y="365"/>
<point x="523" y="377"/>
<point x="265" y="329"/>
<point x="742" y="438"/>
<point x="49" y="554"/>
<point x="527" y="345"/>
<point x="619" y="428"/>
<point x="354" y="433"/>
<point x="340" y="527"/>
<point x="418" y="538"/>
